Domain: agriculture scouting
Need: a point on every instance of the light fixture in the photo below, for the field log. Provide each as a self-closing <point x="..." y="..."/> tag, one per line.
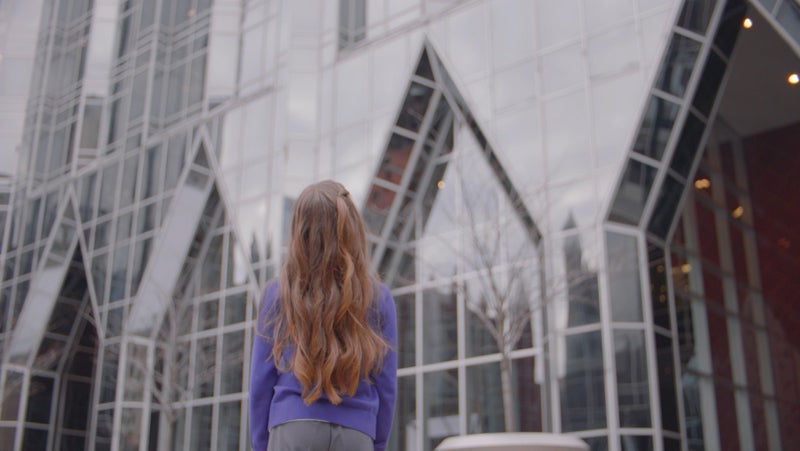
<point x="440" y="184"/>
<point x="793" y="79"/>
<point x="191" y="12"/>
<point x="737" y="212"/>
<point x="686" y="268"/>
<point x="702" y="183"/>
<point x="747" y="23"/>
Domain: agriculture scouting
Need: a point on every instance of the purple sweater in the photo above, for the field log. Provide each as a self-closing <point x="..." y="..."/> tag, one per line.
<point x="276" y="397"/>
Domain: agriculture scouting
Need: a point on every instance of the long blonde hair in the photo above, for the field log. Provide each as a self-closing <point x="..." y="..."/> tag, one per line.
<point x="327" y="295"/>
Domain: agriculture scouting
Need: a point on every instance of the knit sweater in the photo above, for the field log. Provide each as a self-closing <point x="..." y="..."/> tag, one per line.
<point x="276" y="397"/>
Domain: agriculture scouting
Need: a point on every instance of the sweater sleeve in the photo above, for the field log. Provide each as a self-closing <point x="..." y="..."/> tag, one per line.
<point x="263" y="376"/>
<point x="386" y="381"/>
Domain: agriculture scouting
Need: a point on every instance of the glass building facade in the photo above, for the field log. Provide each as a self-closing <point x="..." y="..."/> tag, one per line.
<point x="585" y="211"/>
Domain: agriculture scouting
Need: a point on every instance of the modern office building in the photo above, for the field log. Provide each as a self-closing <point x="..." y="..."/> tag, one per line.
<point x="586" y="210"/>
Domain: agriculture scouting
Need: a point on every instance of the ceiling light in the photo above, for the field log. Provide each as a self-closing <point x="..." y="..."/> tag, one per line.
<point x="737" y="212"/>
<point x="686" y="268"/>
<point x="440" y="184"/>
<point x="191" y="12"/>
<point x="747" y="23"/>
<point x="703" y="183"/>
<point x="793" y="79"/>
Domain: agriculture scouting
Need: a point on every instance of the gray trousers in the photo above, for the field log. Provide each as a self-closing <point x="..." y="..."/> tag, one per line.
<point x="311" y="435"/>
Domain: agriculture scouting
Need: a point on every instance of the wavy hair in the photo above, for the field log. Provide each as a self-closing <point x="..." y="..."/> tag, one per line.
<point x="327" y="293"/>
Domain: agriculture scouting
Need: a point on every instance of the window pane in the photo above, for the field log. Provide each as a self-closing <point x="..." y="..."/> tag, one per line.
<point x="677" y="65"/>
<point x="439" y="332"/>
<point x="688" y="144"/>
<point x="632" y="193"/>
<point x="583" y="402"/>
<point x="200" y="439"/>
<point x="624" y="285"/>
<point x="633" y="392"/>
<point x="228" y="432"/>
<point x="656" y="127"/>
<point x="666" y="205"/>
<point x="441" y="406"/>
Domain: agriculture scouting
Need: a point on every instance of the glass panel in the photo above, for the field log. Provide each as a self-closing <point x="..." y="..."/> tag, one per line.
<point x="228" y="433"/>
<point x="137" y="371"/>
<point x="235" y="306"/>
<point x="583" y="403"/>
<point x="205" y="362"/>
<point x="118" y="274"/>
<point x="731" y="24"/>
<point x="632" y="193"/>
<point x="406" y="329"/>
<point x="108" y="382"/>
<point x="637" y="443"/>
<point x="211" y="271"/>
<point x="688" y="144"/>
<point x="665" y="207"/>
<point x="40" y="394"/>
<point x="696" y="15"/>
<point x="668" y="393"/>
<point x="623" y="275"/>
<point x="232" y="355"/>
<point x="439" y="331"/>
<point x="479" y="321"/>
<point x="415" y="106"/>
<point x="131" y="429"/>
<point x="656" y="127"/>
<point x="405" y="416"/>
<point x="485" y="399"/>
<point x="77" y="401"/>
<point x="35" y="440"/>
<point x="677" y="66"/>
<point x="709" y="83"/>
<point x="201" y="429"/>
<point x="208" y="315"/>
<point x="658" y="285"/>
<point x="377" y="208"/>
<point x="441" y="407"/>
<point x="633" y="391"/>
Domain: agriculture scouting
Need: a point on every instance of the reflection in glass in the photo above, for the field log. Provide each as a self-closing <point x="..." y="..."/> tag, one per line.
<point x="668" y="392"/>
<point x="658" y="285"/>
<point x="201" y="428"/>
<point x="441" y="406"/>
<point x="228" y="430"/>
<point x="709" y="84"/>
<point x="677" y="66"/>
<point x="583" y="404"/>
<point x="731" y="23"/>
<point x="415" y="106"/>
<point x="405" y="416"/>
<point x="633" y="394"/>
<point x="636" y="443"/>
<point x="665" y="207"/>
<point x="688" y="144"/>
<point x="696" y="14"/>
<point x="233" y="358"/>
<point x="440" y="328"/>
<point x="656" y="127"/>
<point x="484" y="399"/>
<point x="581" y="284"/>
<point x="623" y="278"/>
<point x="632" y="193"/>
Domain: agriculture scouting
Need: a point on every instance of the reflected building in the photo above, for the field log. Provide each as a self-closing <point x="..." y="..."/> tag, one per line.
<point x="583" y="209"/>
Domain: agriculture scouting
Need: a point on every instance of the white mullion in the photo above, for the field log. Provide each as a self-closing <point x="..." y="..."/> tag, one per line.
<point x="702" y="341"/>
<point x="731" y="302"/>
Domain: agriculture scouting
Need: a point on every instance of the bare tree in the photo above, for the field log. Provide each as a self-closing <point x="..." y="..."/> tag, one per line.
<point x="504" y="249"/>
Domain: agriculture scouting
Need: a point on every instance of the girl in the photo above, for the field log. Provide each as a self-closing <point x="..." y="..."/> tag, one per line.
<point x="324" y="364"/>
